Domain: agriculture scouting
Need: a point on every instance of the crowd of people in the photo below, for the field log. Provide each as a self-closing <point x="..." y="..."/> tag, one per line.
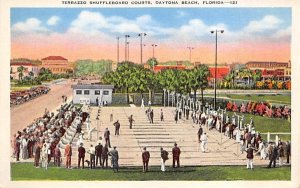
<point x="250" y="140"/>
<point x="48" y="136"/>
<point x="43" y="139"/>
<point x="260" y="108"/>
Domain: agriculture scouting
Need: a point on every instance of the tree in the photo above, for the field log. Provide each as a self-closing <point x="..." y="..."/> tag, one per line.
<point x="21" y="74"/>
<point x="152" y="62"/>
<point x="201" y="74"/>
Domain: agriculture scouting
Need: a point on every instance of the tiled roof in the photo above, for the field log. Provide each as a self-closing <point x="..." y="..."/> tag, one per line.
<point x="54" y="58"/>
<point x="221" y="72"/>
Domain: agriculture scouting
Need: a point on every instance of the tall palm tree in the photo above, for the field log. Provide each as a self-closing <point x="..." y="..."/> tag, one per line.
<point x="202" y="73"/>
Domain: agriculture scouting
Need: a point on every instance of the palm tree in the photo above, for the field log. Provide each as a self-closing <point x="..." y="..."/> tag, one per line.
<point x="201" y="74"/>
<point x="20" y="70"/>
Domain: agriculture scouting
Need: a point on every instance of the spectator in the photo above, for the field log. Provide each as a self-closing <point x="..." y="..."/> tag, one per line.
<point x="81" y="155"/>
<point x="98" y="153"/>
<point x="114" y="159"/>
<point x="164" y="158"/>
<point x="105" y="156"/>
<point x="203" y="140"/>
<point x="273" y="157"/>
<point x="92" y="157"/>
<point x="288" y="152"/>
<point x="145" y="157"/>
<point x="68" y="155"/>
<point x="176" y="154"/>
<point x="107" y="137"/>
<point x="117" y="128"/>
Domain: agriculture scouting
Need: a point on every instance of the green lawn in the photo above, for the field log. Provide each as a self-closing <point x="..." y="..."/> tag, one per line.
<point x="266" y="124"/>
<point x="26" y="171"/>
<point x="281" y="99"/>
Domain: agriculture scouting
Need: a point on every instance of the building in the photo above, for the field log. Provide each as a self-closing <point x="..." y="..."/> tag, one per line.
<point x="28" y="67"/>
<point x="222" y="71"/>
<point x="281" y="70"/>
<point x="88" y="93"/>
<point x="57" y="64"/>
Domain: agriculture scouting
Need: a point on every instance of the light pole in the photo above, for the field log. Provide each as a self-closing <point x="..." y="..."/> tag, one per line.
<point x="118" y="47"/>
<point x="216" y="60"/>
<point x="127" y="51"/>
<point x="141" y="35"/>
<point x="153" y="46"/>
<point x="190" y="49"/>
<point x="126" y="36"/>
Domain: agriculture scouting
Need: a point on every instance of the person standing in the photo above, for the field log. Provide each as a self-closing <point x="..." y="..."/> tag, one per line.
<point x="92" y="157"/>
<point x="81" y="155"/>
<point x="114" y="159"/>
<point x="200" y="131"/>
<point x="117" y="128"/>
<point x="273" y="157"/>
<point x="57" y="156"/>
<point x="176" y="154"/>
<point x="37" y="155"/>
<point x="145" y="157"/>
<point x="203" y="140"/>
<point x="107" y="137"/>
<point x="151" y="116"/>
<point x="250" y="157"/>
<point x="161" y="115"/>
<point x="105" y="156"/>
<point x="288" y="152"/>
<point x="176" y="115"/>
<point x="281" y="154"/>
<point x="45" y="156"/>
<point x="68" y="154"/>
<point x="164" y="158"/>
<point x="131" y="120"/>
<point x="97" y="101"/>
<point x="98" y="153"/>
<point x="18" y="149"/>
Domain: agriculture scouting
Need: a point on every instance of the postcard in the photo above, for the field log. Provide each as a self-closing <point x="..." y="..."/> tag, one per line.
<point x="125" y="92"/>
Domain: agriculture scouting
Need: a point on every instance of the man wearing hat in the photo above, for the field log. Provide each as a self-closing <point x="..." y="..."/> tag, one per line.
<point x="81" y="155"/>
<point x="176" y="153"/>
<point x="145" y="157"/>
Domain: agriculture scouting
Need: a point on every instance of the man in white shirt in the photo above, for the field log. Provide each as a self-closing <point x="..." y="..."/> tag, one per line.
<point x="92" y="156"/>
<point x="203" y="139"/>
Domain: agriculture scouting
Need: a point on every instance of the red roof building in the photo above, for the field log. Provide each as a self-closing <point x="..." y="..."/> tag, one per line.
<point x="57" y="64"/>
<point x="221" y="72"/>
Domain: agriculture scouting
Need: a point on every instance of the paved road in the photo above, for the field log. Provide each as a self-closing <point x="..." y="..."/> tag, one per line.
<point x="24" y="114"/>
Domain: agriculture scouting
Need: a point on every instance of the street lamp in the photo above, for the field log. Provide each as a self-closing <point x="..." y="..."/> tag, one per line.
<point x="153" y="46"/>
<point x="128" y="51"/>
<point x="216" y="60"/>
<point x="126" y="36"/>
<point x="118" y="53"/>
<point x="190" y="49"/>
<point x="141" y="35"/>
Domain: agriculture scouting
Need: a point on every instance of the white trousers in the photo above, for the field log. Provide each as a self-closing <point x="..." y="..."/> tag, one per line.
<point x="163" y="166"/>
<point x="250" y="163"/>
<point x="203" y="145"/>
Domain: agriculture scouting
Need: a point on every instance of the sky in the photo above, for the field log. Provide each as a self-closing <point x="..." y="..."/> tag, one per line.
<point x="250" y="34"/>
